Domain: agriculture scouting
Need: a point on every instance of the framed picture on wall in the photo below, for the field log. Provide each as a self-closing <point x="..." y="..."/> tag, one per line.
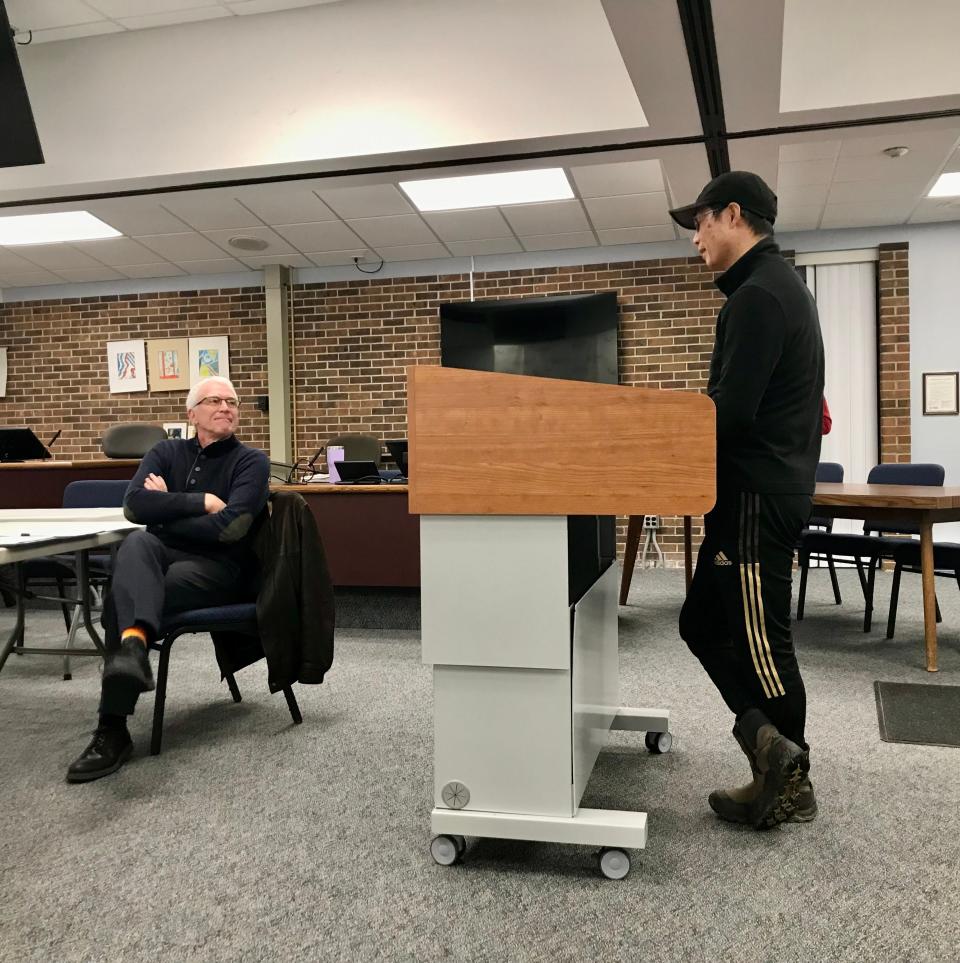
<point x="126" y="366"/>
<point x="175" y="429"/>
<point x="941" y="392"/>
<point x="209" y="357"/>
<point x="169" y="364"/>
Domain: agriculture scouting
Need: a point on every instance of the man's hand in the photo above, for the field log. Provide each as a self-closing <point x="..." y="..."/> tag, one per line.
<point x="154" y="483"/>
<point x="212" y="504"/>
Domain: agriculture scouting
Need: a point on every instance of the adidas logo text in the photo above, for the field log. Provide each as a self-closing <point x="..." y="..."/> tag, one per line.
<point x="721" y="559"/>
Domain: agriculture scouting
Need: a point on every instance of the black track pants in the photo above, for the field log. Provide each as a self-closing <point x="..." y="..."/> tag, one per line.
<point x="736" y="618"/>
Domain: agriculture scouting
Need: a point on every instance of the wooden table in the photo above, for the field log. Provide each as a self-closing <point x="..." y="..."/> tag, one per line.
<point x="923" y="505"/>
<point x="40" y="484"/>
<point x="369" y="536"/>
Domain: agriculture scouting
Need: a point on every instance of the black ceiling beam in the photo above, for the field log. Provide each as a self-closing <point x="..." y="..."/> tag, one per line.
<point x="696" y="18"/>
<point x="19" y="142"/>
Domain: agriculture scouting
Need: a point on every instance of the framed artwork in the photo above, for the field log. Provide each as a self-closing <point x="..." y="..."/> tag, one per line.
<point x="175" y="429"/>
<point x="209" y="357"/>
<point x="168" y="364"/>
<point x="941" y="392"/>
<point x="126" y="366"/>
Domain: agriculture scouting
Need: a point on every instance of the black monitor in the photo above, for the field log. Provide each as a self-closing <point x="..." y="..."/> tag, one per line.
<point x="20" y="444"/>
<point x="358" y="473"/>
<point x="398" y="452"/>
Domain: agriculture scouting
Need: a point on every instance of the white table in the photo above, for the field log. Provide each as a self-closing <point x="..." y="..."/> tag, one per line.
<point x="37" y="532"/>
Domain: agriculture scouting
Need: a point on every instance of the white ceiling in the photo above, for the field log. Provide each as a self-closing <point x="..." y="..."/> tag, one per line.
<point x="782" y="63"/>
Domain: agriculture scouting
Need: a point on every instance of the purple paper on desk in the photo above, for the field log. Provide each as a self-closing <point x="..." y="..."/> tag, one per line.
<point x="334" y="455"/>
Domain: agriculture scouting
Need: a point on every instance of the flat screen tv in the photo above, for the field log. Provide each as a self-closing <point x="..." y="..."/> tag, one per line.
<point x="570" y="336"/>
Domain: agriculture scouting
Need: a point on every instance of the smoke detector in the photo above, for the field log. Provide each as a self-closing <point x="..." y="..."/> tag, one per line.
<point x="896" y="151"/>
<point x="243" y="242"/>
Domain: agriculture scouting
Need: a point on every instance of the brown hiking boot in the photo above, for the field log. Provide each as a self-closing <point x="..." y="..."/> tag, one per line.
<point x="733" y="805"/>
<point x="806" y="810"/>
<point x="783" y="766"/>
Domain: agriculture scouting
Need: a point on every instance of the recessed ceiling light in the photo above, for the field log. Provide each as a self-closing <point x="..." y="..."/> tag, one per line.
<point x="243" y="243"/>
<point x="488" y="190"/>
<point x="896" y="151"/>
<point x="54" y="228"/>
<point x="948" y="185"/>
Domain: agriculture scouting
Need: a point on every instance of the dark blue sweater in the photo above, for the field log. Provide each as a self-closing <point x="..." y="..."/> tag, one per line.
<point x="239" y="475"/>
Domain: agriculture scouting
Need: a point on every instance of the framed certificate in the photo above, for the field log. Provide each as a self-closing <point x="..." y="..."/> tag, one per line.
<point x="941" y="393"/>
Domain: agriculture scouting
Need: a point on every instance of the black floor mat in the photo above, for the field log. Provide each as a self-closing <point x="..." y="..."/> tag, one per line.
<point x="927" y="715"/>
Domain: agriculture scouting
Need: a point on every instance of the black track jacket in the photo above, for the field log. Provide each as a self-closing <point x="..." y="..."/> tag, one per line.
<point x="766" y="377"/>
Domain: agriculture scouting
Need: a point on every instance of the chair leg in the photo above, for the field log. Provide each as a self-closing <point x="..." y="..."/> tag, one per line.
<point x="160" y="699"/>
<point x="833" y="580"/>
<point x="634" y="527"/>
<point x="894" y="598"/>
<point x="936" y="606"/>
<point x="234" y="691"/>
<point x="871" y="582"/>
<point x="292" y="705"/>
<point x="801" y="596"/>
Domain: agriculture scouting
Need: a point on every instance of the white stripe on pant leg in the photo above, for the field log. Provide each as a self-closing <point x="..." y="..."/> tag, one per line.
<point x="766" y="656"/>
<point x="745" y="593"/>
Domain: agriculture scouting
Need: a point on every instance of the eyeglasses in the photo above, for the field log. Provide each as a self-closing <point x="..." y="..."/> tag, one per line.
<point x="213" y="402"/>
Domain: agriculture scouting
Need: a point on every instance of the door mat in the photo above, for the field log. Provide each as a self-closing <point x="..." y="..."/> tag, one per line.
<point x="926" y="715"/>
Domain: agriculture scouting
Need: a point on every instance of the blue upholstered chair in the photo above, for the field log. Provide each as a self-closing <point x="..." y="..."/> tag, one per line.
<point x="878" y="541"/>
<point x="827" y="471"/>
<point x="906" y="557"/>
<point x="239" y="618"/>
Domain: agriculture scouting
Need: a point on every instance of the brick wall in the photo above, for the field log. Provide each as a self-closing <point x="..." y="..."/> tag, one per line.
<point x="352" y="341"/>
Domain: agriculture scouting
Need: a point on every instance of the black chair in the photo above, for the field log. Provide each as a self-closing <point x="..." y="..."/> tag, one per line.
<point x="875" y="543"/>
<point x="906" y="557"/>
<point x="827" y="471"/>
<point x="239" y="618"/>
<point x="358" y="446"/>
<point x="130" y="440"/>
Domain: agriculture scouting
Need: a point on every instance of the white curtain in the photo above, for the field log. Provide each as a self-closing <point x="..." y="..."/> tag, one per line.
<point x="846" y="296"/>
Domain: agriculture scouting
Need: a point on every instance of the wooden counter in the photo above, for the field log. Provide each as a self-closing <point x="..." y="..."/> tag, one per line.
<point x="40" y="484"/>
<point x="369" y="536"/>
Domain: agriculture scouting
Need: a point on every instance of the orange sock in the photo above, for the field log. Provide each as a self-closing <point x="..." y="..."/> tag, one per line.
<point x="134" y="632"/>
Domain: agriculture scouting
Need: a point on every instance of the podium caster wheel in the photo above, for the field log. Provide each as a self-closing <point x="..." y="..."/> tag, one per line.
<point x="614" y="863"/>
<point x="445" y="850"/>
<point x="658" y="742"/>
<point x="461" y="845"/>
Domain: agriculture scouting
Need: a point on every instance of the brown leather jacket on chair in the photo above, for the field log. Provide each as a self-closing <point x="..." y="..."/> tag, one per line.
<point x="295" y="606"/>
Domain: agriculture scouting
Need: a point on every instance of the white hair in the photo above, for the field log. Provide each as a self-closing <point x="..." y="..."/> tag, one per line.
<point x="194" y="395"/>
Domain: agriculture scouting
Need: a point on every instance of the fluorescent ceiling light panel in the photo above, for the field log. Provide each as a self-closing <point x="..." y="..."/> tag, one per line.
<point x="948" y="185"/>
<point x="54" y="228"/>
<point x="489" y="190"/>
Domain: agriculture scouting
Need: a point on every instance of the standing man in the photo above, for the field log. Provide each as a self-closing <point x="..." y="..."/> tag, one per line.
<point x="198" y="499"/>
<point x="766" y="380"/>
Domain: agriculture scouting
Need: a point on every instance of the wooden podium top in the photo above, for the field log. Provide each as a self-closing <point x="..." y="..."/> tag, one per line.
<point x="483" y="443"/>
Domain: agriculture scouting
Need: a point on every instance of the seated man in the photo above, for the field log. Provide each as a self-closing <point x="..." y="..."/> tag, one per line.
<point x="198" y="499"/>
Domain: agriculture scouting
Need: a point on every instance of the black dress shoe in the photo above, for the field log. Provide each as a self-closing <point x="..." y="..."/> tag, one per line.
<point x="107" y="752"/>
<point x="127" y="671"/>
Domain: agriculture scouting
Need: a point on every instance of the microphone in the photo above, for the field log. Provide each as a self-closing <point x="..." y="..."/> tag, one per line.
<point x="312" y="460"/>
<point x="56" y="435"/>
<point x="293" y="472"/>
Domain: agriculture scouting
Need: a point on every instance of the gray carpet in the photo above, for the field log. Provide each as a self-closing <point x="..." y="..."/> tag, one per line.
<point x="249" y="839"/>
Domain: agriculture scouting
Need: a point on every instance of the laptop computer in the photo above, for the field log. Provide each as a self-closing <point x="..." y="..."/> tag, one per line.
<point x="20" y="444"/>
<point x="398" y="452"/>
<point x="358" y="473"/>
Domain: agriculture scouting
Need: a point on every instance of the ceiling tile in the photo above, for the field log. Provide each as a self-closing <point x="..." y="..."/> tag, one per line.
<point x="550" y="217"/>
<point x="289" y="260"/>
<point x="914" y="166"/>
<point x="117" y="251"/>
<point x="269" y="6"/>
<point x="613" y="180"/>
<point x="132" y="8"/>
<point x="864" y="215"/>
<point x="181" y="16"/>
<point x="809" y="151"/>
<point x="399" y="229"/>
<point x="374" y="200"/>
<point x="919" y="141"/>
<point x="495" y="245"/>
<point x="75" y="33"/>
<point x="932" y="209"/>
<point x="9" y="262"/>
<point x="56" y="256"/>
<point x="329" y="258"/>
<point x="805" y="172"/>
<point x="42" y="14"/>
<point x="849" y="192"/>
<point x="557" y="242"/>
<point x="413" y="252"/>
<point x="322" y="236"/>
<point x="632" y="210"/>
<point x="22" y="279"/>
<point x="89" y="274"/>
<point x="135" y="216"/>
<point x="473" y="225"/>
<point x="798" y="217"/>
<point x="638" y="235"/>
<point x="181" y="247"/>
<point x="284" y="203"/>
<point x="806" y="194"/>
<point x="209" y="210"/>
<point x="213" y="266"/>
<point x="159" y="269"/>
<point x="275" y="243"/>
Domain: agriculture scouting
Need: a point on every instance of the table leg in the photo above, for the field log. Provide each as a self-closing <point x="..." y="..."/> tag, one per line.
<point x="16" y="635"/>
<point x="688" y="550"/>
<point x="83" y="584"/>
<point x="929" y="594"/>
<point x="634" y="527"/>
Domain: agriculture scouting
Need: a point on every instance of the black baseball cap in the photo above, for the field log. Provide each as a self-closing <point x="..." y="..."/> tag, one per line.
<point x="735" y="187"/>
